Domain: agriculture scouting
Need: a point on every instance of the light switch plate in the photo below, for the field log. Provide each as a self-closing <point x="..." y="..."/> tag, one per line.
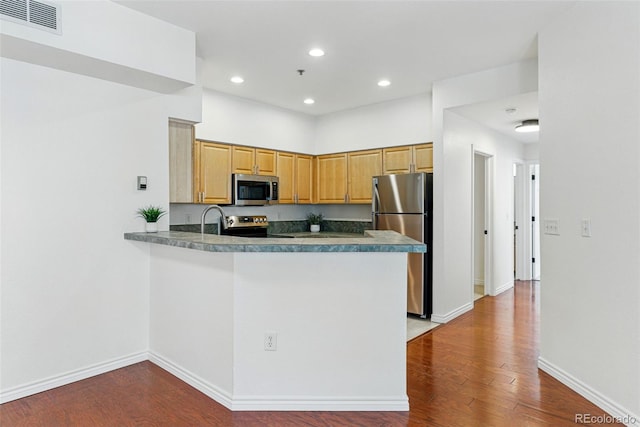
<point x="586" y="227"/>
<point x="551" y="226"/>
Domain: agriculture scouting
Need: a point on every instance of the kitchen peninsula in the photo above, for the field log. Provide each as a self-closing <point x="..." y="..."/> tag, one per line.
<point x="282" y="324"/>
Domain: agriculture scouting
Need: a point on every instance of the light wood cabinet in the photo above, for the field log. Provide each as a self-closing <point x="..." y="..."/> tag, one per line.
<point x="304" y="179"/>
<point x="362" y="166"/>
<point x="286" y="174"/>
<point x="257" y="161"/>
<point x="423" y="158"/>
<point x="408" y="159"/>
<point x="212" y="173"/>
<point x="346" y="177"/>
<point x="180" y="162"/>
<point x="295" y="174"/>
<point x="331" y="178"/>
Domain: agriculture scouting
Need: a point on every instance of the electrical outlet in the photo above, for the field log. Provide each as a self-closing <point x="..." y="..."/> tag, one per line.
<point x="552" y="226"/>
<point x="586" y="227"/>
<point x="270" y="341"/>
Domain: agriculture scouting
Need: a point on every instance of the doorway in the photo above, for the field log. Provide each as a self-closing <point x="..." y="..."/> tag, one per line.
<point x="481" y="246"/>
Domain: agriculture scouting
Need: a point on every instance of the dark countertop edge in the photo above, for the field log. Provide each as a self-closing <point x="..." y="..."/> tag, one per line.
<point x="239" y="244"/>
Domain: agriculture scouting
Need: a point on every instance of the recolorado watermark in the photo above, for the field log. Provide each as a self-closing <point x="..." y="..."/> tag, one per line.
<point x="603" y="419"/>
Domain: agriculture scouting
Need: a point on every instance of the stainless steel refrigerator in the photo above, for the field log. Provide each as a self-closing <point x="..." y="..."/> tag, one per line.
<point x="404" y="203"/>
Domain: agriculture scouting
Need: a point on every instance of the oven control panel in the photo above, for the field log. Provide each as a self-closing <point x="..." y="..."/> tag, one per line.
<point x="237" y="221"/>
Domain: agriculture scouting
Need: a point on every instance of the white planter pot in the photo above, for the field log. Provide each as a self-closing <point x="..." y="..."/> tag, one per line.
<point x="315" y="228"/>
<point x="151" y="227"/>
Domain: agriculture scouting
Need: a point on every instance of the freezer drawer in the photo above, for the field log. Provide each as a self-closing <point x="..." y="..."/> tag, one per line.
<point x="411" y="226"/>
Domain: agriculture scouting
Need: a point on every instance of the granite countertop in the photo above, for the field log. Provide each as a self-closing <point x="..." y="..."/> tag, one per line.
<point x="370" y="241"/>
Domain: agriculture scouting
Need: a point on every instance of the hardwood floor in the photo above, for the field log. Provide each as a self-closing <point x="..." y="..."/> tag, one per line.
<point x="478" y="370"/>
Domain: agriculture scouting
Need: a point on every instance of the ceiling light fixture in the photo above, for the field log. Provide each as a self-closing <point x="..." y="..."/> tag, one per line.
<point x="384" y="83"/>
<point x="309" y="101"/>
<point x="316" y="52"/>
<point x="237" y="79"/>
<point x="528" y="126"/>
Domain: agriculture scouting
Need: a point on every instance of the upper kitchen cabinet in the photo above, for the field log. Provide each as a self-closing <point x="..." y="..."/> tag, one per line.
<point x="423" y="158"/>
<point x="286" y="175"/>
<point x="408" y="159"/>
<point x="304" y="179"/>
<point x="294" y="172"/>
<point x="212" y="173"/>
<point x="331" y="178"/>
<point x="346" y="177"/>
<point x="181" y="136"/>
<point x="362" y="167"/>
<point x="253" y="161"/>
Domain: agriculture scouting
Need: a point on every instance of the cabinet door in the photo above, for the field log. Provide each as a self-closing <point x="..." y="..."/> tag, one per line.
<point x="363" y="165"/>
<point x="397" y="159"/>
<point x="423" y="157"/>
<point x="265" y="162"/>
<point x="214" y="173"/>
<point x="332" y="178"/>
<point x="243" y="159"/>
<point x="286" y="173"/>
<point x="304" y="181"/>
<point x="180" y="162"/>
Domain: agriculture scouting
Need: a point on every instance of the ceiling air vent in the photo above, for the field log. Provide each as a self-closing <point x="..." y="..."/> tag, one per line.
<point x="38" y="14"/>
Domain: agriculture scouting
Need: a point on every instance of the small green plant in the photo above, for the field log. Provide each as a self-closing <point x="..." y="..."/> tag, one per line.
<point x="151" y="213"/>
<point x="314" y="219"/>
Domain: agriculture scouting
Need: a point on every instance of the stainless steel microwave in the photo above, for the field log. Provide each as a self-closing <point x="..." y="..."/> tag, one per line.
<point x="254" y="190"/>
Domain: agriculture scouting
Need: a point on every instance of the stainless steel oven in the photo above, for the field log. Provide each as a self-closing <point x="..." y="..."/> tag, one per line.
<point x="254" y="190"/>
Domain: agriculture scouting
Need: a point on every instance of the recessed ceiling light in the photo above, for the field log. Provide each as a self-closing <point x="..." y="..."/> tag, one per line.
<point x="528" y="126"/>
<point x="384" y="83"/>
<point x="237" y="79"/>
<point x="309" y="101"/>
<point x="316" y="52"/>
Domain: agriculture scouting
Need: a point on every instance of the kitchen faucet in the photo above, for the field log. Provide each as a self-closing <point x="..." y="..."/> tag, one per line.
<point x="223" y="218"/>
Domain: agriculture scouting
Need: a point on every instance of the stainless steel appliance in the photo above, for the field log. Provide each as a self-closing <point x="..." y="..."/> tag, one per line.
<point x="404" y="203"/>
<point x="248" y="226"/>
<point x="254" y="190"/>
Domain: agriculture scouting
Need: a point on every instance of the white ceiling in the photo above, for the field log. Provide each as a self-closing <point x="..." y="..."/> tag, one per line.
<point x="494" y="115"/>
<point x="411" y="43"/>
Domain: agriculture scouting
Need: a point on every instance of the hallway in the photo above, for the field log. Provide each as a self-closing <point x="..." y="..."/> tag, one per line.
<point x="478" y="370"/>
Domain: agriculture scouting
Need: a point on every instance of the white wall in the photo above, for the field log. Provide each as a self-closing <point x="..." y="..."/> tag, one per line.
<point x="453" y="139"/>
<point x="75" y="294"/>
<point x="103" y="39"/>
<point x="398" y="122"/>
<point x="231" y="119"/>
<point x="590" y="168"/>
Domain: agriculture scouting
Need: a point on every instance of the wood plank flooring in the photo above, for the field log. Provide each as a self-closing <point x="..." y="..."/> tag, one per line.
<point x="478" y="370"/>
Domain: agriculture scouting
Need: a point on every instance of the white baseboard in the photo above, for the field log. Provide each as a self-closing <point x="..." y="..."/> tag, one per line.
<point x="444" y="318"/>
<point x="219" y="395"/>
<point x="617" y="412"/>
<point x="242" y="403"/>
<point x="503" y="288"/>
<point x="319" y="403"/>
<point x="280" y="403"/>
<point x="70" y="377"/>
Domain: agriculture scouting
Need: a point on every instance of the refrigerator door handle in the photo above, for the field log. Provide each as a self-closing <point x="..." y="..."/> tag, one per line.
<point x="376" y="200"/>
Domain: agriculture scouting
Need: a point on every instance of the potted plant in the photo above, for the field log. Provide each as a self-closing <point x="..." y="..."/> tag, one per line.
<point x="151" y="215"/>
<point x="314" y="221"/>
